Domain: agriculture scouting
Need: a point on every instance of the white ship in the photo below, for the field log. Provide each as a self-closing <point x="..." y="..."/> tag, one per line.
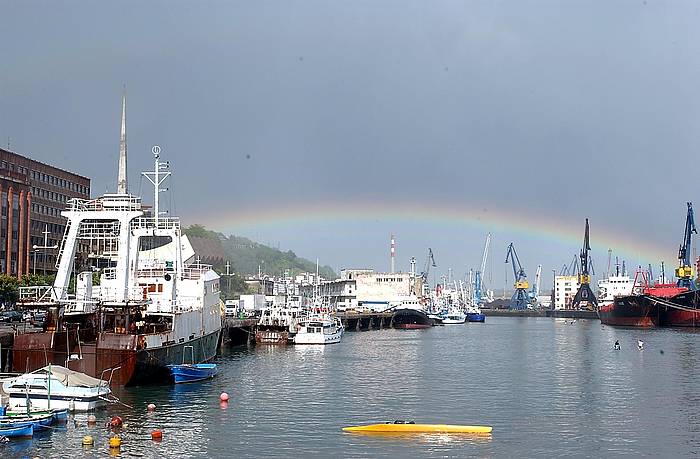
<point x="151" y="302"/>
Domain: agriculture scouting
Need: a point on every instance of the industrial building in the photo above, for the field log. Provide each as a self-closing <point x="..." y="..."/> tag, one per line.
<point x="33" y="196"/>
<point x="565" y="288"/>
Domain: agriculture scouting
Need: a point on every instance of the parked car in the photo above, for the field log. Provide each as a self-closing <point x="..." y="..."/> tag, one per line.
<point x="11" y="316"/>
<point x="39" y="319"/>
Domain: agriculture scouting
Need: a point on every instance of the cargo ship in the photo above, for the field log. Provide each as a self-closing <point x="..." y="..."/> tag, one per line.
<point x="137" y="305"/>
<point x="410" y="319"/>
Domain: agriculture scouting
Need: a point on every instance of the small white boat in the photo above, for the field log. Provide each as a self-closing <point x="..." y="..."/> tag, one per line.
<point x="319" y="330"/>
<point x="454" y="316"/>
<point x="56" y="387"/>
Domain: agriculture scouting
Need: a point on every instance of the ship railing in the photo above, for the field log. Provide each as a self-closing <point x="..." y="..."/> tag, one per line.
<point x="35" y="294"/>
<point x="154" y="272"/>
<point x="172" y="223"/>
<point x="195" y="271"/>
<point x="135" y="294"/>
<point x="106" y="202"/>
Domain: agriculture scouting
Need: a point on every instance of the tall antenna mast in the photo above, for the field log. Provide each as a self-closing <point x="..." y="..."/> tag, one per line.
<point x="393" y="253"/>
<point x="156" y="177"/>
<point x="122" y="182"/>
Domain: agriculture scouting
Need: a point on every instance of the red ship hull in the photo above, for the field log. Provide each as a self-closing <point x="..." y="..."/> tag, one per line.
<point x="631" y="311"/>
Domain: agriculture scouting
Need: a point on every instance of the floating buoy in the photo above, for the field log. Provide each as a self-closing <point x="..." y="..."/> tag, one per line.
<point x="151" y="407"/>
<point x="116" y="422"/>
<point x="223" y="397"/>
<point x="88" y="440"/>
<point x="115" y="442"/>
<point x="91" y="419"/>
<point x="223" y="405"/>
<point x="157" y="435"/>
<point x="71" y="406"/>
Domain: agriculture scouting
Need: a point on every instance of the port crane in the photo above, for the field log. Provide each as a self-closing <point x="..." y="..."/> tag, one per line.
<point x="584" y="293"/>
<point x="684" y="272"/>
<point x="519" y="300"/>
<point x="535" y="290"/>
<point x="429" y="263"/>
<point x="478" y="277"/>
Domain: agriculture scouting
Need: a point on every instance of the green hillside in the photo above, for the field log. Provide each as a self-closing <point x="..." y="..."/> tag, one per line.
<point x="246" y="255"/>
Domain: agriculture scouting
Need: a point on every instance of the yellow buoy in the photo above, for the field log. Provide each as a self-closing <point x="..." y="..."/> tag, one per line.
<point x="115" y="442"/>
<point x="88" y="440"/>
<point x="419" y="428"/>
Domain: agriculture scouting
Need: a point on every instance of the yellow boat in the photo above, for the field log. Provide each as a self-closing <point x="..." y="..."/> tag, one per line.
<point x="419" y="428"/>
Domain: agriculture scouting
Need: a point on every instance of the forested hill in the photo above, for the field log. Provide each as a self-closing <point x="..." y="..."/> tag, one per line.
<point x="246" y="255"/>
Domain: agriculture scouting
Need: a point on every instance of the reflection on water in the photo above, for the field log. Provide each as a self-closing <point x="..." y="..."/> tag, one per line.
<point x="547" y="387"/>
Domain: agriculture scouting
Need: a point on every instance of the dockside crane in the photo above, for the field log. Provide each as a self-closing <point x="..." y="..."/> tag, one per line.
<point x="429" y="263"/>
<point x="478" y="277"/>
<point x="519" y="300"/>
<point x="584" y="293"/>
<point x="535" y="290"/>
<point x="684" y="272"/>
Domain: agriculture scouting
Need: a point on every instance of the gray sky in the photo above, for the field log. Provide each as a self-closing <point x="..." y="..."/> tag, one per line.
<point x="547" y="111"/>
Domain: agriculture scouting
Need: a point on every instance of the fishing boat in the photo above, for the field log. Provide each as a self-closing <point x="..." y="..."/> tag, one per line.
<point x="454" y="316"/>
<point x="58" y="387"/>
<point x="154" y="297"/>
<point x="474" y="314"/>
<point x="18" y="431"/>
<point x="38" y="421"/>
<point x="192" y="372"/>
<point x="319" y="330"/>
<point x="411" y="427"/>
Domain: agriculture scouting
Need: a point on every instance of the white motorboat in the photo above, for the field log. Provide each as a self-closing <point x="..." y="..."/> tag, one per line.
<point x="56" y="387"/>
<point x="319" y="330"/>
<point x="454" y="316"/>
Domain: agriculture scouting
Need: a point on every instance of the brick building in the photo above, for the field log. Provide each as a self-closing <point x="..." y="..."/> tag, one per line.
<point x="33" y="194"/>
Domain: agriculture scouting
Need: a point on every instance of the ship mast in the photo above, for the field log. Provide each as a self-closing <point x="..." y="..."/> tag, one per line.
<point x="122" y="182"/>
<point x="156" y="177"/>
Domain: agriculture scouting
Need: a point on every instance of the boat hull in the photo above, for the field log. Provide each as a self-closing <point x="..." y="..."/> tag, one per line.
<point x="272" y="336"/>
<point x="20" y="431"/>
<point x="318" y="338"/>
<point x="411" y="319"/>
<point x="192" y="373"/>
<point x="631" y="311"/>
<point x="476" y="317"/>
<point x="420" y="428"/>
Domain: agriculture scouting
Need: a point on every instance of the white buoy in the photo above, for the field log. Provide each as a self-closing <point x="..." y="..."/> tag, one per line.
<point x="71" y="406"/>
<point x="151" y="407"/>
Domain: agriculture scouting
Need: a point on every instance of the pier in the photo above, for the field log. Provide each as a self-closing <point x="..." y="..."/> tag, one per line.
<point x="365" y="321"/>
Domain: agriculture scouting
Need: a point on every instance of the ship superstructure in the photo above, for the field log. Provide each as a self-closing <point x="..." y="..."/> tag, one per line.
<point x="139" y="297"/>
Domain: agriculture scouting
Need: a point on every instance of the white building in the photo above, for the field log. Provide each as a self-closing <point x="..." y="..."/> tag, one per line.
<point x="565" y="288"/>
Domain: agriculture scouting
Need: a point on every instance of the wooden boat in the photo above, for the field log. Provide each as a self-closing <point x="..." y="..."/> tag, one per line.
<point x="192" y="372"/>
<point x="409" y="427"/>
<point x="38" y="421"/>
<point x="26" y="430"/>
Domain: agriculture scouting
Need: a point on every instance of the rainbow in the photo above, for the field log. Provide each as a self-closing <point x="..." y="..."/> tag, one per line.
<point x="543" y="227"/>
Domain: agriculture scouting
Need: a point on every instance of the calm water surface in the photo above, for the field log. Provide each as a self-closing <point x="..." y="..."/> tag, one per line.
<point x="546" y="386"/>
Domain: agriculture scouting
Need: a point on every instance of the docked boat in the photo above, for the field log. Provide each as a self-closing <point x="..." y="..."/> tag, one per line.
<point x="58" y="388"/>
<point x="476" y="316"/>
<point x="192" y="372"/>
<point x="454" y="316"/>
<point x="319" y="330"/>
<point x="276" y="325"/>
<point x="409" y="319"/>
<point x="25" y="431"/>
<point x="643" y="307"/>
<point x="153" y="298"/>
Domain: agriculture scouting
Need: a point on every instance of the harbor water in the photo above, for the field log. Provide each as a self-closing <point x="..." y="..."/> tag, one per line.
<point x="548" y="387"/>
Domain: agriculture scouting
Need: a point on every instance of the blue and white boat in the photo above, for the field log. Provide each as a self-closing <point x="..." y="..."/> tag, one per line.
<point x="25" y="430"/>
<point x="475" y="316"/>
<point x="192" y="372"/>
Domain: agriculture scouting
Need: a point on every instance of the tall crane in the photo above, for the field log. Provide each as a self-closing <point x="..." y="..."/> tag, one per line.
<point x="684" y="272"/>
<point x="535" y="290"/>
<point x="478" y="277"/>
<point x="519" y="300"/>
<point x="584" y="293"/>
<point x="429" y="263"/>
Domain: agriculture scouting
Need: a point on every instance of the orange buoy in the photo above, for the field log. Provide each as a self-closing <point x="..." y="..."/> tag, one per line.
<point x="116" y="421"/>
<point x="223" y="397"/>
<point x="151" y="407"/>
<point x="157" y="435"/>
